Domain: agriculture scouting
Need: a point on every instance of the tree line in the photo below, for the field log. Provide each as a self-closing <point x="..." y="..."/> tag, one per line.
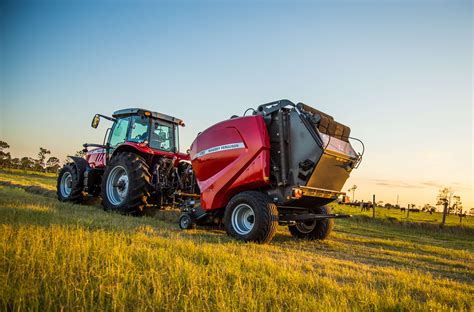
<point x="41" y="163"/>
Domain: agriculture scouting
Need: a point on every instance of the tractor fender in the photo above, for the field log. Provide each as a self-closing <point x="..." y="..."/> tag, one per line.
<point x="127" y="148"/>
<point x="81" y="165"/>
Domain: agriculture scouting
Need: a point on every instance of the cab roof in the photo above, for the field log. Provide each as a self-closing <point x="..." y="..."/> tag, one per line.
<point x="144" y="112"/>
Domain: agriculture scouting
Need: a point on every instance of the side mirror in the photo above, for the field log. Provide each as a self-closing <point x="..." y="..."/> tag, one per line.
<point x="95" y="121"/>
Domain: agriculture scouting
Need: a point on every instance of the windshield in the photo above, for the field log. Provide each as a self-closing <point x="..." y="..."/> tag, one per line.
<point x="139" y="129"/>
<point x="119" y="132"/>
<point x="162" y="136"/>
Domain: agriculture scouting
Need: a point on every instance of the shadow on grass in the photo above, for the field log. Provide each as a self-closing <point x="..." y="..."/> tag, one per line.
<point x="33" y="189"/>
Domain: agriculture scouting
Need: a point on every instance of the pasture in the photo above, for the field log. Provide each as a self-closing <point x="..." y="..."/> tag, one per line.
<point x="78" y="257"/>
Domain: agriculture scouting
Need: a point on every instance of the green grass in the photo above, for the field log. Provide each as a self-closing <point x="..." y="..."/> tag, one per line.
<point x="61" y="256"/>
<point x="401" y="216"/>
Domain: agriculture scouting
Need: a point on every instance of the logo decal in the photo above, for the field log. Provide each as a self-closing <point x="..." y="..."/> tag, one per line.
<point x="96" y="151"/>
<point x="221" y="148"/>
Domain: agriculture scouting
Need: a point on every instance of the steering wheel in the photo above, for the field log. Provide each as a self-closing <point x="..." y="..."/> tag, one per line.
<point x="140" y="137"/>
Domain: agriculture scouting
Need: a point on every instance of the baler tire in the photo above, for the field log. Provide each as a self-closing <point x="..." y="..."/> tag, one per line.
<point x="138" y="188"/>
<point x="265" y="217"/>
<point x="186" y="222"/>
<point x="321" y="230"/>
<point x="76" y="194"/>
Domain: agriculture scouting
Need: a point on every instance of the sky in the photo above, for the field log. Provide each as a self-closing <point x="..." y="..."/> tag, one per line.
<point x="399" y="73"/>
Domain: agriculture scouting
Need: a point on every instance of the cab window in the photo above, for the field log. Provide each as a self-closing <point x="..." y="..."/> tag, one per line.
<point x="162" y="136"/>
<point x="139" y="129"/>
<point x="119" y="132"/>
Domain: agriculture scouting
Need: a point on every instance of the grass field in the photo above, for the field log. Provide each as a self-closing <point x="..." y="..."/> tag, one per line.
<point x="61" y="256"/>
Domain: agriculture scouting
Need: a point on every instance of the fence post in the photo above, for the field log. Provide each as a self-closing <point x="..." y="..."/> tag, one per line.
<point x="373" y="206"/>
<point x="445" y="211"/>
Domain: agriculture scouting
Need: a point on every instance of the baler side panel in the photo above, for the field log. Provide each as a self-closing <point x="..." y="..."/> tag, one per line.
<point x="229" y="157"/>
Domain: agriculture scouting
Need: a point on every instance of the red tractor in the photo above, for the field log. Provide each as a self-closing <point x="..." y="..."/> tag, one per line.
<point x="279" y="166"/>
<point x="137" y="168"/>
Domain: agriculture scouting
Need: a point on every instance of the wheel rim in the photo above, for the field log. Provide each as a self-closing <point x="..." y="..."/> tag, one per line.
<point x="306" y="227"/>
<point x="243" y="219"/>
<point x="185" y="222"/>
<point x="65" y="186"/>
<point x="117" y="185"/>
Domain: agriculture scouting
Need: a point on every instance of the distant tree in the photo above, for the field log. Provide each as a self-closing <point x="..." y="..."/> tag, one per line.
<point x="428" y="208"/>
<point x="444" y="198"/>
<point x="5" y="156"/>
<point x="27" y="163"/>
<point x="42" y="156"/>
<point x="353" y="189"/>
<point x="53" y="164"/>
<point x="456" y="206"/>
<point x="15" y="163"/>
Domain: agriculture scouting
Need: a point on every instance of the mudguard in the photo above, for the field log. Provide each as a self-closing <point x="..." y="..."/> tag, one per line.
<point x="81" y="165"/>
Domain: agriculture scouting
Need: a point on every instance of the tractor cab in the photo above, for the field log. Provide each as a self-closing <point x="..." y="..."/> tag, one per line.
<point x="142" y="129"/>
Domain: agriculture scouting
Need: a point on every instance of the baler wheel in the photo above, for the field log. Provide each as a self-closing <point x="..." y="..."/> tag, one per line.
<point x="126" y="184"/>
<point x="185" y="222"/>
<point x="251" y="216"/>
<point x="316" y="229"/>
<point x="69" y="188"/>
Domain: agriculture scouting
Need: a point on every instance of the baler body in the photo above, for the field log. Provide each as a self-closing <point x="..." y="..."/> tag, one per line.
<point x="296" y="154"/>
<point x="229" y="157"/>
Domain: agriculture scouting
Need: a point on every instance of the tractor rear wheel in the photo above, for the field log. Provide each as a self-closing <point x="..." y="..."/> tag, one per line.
<point x="251" y="217"/>
<point x="69" y="186"/>
<point x="315" y="229"/>
<point x="126" y="184"/>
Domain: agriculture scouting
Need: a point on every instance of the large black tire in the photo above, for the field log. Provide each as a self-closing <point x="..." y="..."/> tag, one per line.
<point x="260" y="217"/>
<point x="317" y="229"/>
<point x="69" y="186"/>
<point x="128" y="197"/>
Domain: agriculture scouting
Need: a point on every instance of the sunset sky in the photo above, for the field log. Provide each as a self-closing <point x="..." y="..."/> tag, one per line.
<point x="399" y="73"/>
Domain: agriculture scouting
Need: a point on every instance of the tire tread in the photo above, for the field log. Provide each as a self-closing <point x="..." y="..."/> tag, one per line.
<point x="139" y="184"/>
<point x="269" y="213"/>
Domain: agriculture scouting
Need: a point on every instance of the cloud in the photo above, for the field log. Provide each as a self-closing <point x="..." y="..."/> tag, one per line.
<point x="395" y="183"/>
<point x="456" y="186"/>
<point x="432" y="184"/>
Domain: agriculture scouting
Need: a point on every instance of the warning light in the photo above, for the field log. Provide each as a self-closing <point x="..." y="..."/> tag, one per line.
<point x="297" y="193"/>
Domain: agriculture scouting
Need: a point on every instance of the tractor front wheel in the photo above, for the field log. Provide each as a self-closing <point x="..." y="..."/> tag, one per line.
<point x="126" y="184"/>
<point x="69" y="186"/>
<point x="251" y="217"/>
<point x="315" y="229"/>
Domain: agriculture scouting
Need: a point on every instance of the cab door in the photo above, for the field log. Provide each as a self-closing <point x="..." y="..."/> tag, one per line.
<point x="118" y="135"/>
